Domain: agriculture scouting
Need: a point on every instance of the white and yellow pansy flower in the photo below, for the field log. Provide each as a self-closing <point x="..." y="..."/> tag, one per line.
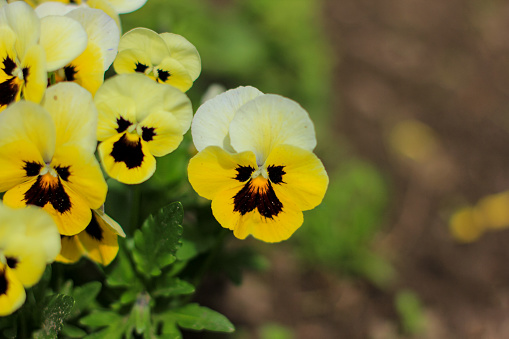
<point x="98" y="242"/>
<point x="29" y="240"/>
<point x="119" y="6"/>
<point x="103" y="34"/>
<point x="139" y="119"/>
<point x="30" y="47"/>
<point x="256" y="164"/>
<point x="47" y="156"/>
<point x="166" y="58"/>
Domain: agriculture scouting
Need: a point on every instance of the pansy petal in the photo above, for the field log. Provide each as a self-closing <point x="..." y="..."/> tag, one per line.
<point x="161" y="132"/>
<point x="127" y="6"/>
<point x="101" y="30"/>
<point x="212" y="119"/>
<point x="87" y="69"/>
<point x="302" y="177"/>
<point x="214" y="170"/>
<point x="12" y="293"/>
<point x="71" y="250"/>
<point x="172" y="72"/>
<point x="126" y="158"/>
<point x="145" y="40"/>
<point x="63" y="39"/>
<point x="109" y="222"/>
<point x="114" y="114"/>
<point x="21" y="18"/>
<point x="68" y="209"/>
<point x="275" y="229"/>
<point x="99" y="241"/>
<point x="26" y="259"/>
<point x="185" y="52"/>
<point x="53" y="8"/>
<point x="84" y="175"/>
<point x="36" y="79"/>
<point x="131" y="60"/>
<point x="268" y="121"/>
<point x="74" y="114"/>
<point x="106" y="7"/>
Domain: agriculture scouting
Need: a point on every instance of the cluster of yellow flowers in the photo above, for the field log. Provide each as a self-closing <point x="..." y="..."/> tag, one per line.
<point x="255" y="160"/>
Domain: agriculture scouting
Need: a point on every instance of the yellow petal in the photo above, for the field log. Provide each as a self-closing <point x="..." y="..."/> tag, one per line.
<point x="71" y="250"/>
<point x="87" y="69"/>
<point x="126" y="6"/>
<point x="21" y="18"/>
<point x="102" y="32"/>
<point x="172" y="72"/>
<point x="277" y="228"/>
<point x="12" y="293"/>
<point x="26" y="259"/>
<point x="184" y="52"/>
<point x="297" y="175"/>
<point x="99" y="241"/>
<point x="126" y="158"/>
<point x="131" y="61"/>
<point x="36" y="80"/>
<point x="74" y="114"/>
<point x="106" y="7"/>
<point x="147" y="41"/>
<point x="268" y="121"/>
<point x="63" y="39"/>
<point x="214" y="170"/>
<point x="212" y="120"/>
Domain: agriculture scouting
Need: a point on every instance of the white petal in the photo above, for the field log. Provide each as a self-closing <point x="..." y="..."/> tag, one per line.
<point x="63" y="39"/>
<point x="74" y="114"/>
<point x="212" y="120"/>
<point x="101" y="30"/>
<point x="53" y="8"/>
<point x="268" y="121"/>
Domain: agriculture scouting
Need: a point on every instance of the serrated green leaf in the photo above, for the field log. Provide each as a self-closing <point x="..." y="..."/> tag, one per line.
<point x="196" y="317"/>
<point x="122" y="274"/>
<point x="158" y="240"/>
<point x="57" y="308"/>
<point x="71" y="331"/>
<point x="84" y="296"/>
<point x="100" y="318"/>
<point x="170" y="286"/>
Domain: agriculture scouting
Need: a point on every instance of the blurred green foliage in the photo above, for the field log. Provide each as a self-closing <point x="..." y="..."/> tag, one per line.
<point x="410" y="312"/>
<point x="338" y="233"/>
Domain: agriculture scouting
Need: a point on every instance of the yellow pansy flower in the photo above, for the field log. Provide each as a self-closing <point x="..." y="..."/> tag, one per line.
<point x="47" y="156"/>
<point x="30" y="47"/>
<point x="255" y="163"/>
<point x="98" y="241"/>
<point x="166" y="58"/>
<point x="119" y="6"/>
<point x="103" y="34"/>
<point x="29" y="240"/>
<point x="139" y="119"/>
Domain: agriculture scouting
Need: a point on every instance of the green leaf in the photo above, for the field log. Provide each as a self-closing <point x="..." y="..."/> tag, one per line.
<point x="73" y="331"/>
<point x="141" y="313"/>
<point x="170" y="331"/>
<point x="158" y="240"/>
<point x="196" y="317"/>
<point x="170" y="286"/>
<point x="122" y="274"/>
<point x="100" y="318"/>
<point x="84" y="296"/>
<point x="57" y="308"/>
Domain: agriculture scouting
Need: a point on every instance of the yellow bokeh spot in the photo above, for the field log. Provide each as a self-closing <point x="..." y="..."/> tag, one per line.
<point x="467" y="225"/>
<point x="413" y="139"/>
<point x="495" y="210"/>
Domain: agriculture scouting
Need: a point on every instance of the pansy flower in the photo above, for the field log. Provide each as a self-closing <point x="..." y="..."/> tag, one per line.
<point x="255" y="163"/>
<point x="30" y="47"/>
<point x="29" y="240"/>
<point x="119" y="6"/>
<point x="103" y="36"/>
<point x="47" y="156"/>
<point x="166" y="58"/>
<point x="98" y="241"/>
<point x="139" y="119"/>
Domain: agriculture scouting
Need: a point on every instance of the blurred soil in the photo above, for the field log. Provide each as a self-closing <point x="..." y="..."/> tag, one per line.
<point x="446" y="64"/>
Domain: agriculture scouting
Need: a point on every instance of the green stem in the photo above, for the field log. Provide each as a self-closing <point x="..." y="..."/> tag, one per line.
<point x="135" y="207"/>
